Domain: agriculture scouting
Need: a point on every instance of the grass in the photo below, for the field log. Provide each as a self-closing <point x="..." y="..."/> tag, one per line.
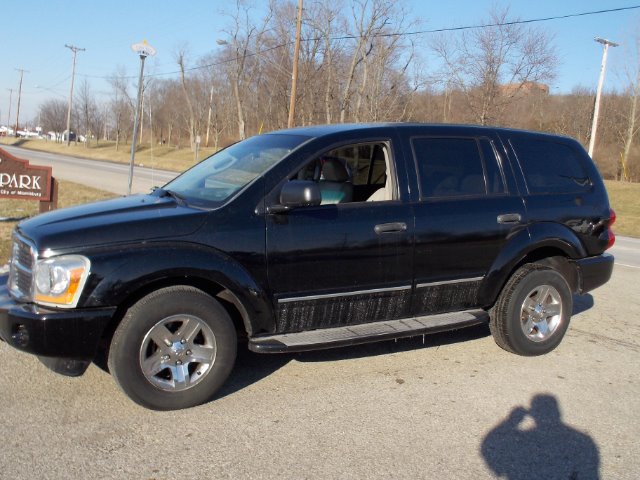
<point x="69" y="194"/>
<point x="625" y="200"/>
<point x="159" y="157"/>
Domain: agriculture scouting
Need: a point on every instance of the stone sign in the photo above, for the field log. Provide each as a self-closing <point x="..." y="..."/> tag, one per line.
<point x="22" y="181"/>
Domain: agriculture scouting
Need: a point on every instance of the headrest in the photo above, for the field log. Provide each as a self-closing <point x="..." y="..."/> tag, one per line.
<point x="334" y="170"/>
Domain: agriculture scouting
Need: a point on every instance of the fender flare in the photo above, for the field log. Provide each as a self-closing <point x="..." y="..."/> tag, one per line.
<point x="538" y="237"/>
<point x="123" y="274"/>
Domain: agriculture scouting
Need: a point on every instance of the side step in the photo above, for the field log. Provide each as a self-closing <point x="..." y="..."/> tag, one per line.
<point x="365" y="333"/>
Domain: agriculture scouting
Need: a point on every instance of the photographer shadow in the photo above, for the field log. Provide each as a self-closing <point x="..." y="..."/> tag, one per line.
<point x="536" y="444"/>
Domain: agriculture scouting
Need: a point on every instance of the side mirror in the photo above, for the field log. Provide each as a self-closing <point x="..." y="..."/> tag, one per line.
<point x="297" y="193"/>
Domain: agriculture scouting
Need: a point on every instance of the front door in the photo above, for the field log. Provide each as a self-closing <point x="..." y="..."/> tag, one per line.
<point x="349" y="260"/>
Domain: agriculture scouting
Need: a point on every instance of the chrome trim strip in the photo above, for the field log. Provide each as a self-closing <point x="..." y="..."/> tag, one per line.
<point x="449" y="282"/>
<point x="345" y="294"/>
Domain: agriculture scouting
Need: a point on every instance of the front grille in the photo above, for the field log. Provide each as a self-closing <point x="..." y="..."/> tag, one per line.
<point x="21" y="273"/>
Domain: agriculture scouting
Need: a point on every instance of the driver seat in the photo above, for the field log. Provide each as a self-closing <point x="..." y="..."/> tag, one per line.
<point x="335" y="182"/>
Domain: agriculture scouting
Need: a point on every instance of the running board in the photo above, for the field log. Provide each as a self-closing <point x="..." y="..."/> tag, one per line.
<point x="365" y="333"/>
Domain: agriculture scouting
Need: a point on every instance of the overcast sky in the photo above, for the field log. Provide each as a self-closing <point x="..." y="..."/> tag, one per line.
<point x="34" y="35"/>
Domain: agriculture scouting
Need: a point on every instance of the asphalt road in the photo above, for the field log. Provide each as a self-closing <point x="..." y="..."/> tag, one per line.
<point x="455" y="406"/>
<point x="627" y="251"/>
<point x="109" y="176"/>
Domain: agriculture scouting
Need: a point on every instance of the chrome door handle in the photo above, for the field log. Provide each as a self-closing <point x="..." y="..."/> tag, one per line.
<point x="395" y="227"/>
<point x="508" y="218"/>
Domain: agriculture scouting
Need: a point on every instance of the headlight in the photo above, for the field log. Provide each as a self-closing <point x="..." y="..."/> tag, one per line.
<point x="59" y="280"/>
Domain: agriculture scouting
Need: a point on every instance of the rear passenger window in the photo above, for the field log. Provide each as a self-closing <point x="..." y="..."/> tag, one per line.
<point x="454" y="167"/>
<point x="550" y="167"/>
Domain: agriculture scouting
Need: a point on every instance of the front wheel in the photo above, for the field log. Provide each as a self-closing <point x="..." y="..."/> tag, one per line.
<point x="533" y="311"/>
<point x="173" y="349"/>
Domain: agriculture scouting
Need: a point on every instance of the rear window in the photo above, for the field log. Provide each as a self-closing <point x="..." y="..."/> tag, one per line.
<point x="550" y="166"/>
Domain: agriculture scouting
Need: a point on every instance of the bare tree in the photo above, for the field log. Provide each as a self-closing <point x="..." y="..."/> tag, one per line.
<point x="53" y="115"/>
<point x="122" y="105"/>
<point x="244" y="45"/>
<point x="492" y="65"/>
<point x="180" y="58"/>
<point x="89" y="113"/>
<point x="370" y="17"/>
<point x="633" y="115"/>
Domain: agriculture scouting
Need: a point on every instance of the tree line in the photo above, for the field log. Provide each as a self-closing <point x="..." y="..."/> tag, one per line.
<point x="359" y="62"/>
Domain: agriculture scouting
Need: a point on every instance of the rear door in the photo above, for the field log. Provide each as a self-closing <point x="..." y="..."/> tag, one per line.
<point x="467" y="209"/>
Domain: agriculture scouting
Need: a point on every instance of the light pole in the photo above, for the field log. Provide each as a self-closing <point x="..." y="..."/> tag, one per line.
<point x="75" y="51"/>
<point x="144" y="50"/>
<point x="596" y="107"/>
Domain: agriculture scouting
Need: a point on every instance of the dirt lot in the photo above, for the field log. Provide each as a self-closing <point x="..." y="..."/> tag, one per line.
<point x="454" y="407"/>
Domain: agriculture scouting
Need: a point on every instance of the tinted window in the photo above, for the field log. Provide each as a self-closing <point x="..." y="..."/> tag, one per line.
<point x="449" y="167"/>
<point x="550" y="167"/>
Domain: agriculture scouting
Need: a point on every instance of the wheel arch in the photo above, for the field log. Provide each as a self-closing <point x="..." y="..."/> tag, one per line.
<point x="552" y="245"/>
<point x="143" y="271"/>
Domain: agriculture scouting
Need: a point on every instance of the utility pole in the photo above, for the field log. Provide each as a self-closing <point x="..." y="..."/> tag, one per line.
<point x="10" y="102"/>
<point x="19" y="97"/>
<point x="294" y="74"/>
<point x="596" y="107"/>
<point x="75" y="51"/>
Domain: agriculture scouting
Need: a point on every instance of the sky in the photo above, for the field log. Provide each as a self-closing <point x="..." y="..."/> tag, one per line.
<point x="33" y="39"/>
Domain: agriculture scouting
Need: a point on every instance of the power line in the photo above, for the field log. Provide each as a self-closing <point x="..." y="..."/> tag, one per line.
<point x="393" y="34"/>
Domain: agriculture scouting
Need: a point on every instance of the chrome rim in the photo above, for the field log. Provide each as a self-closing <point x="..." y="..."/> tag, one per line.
<point x="541" y="313"/>
<point x="178" y="352"/>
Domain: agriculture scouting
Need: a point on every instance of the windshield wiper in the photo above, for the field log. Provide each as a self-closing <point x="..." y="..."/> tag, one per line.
<point x="180" y="200"/>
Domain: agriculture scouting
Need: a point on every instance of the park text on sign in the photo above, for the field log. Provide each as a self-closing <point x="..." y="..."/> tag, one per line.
<point x="20" y="180"/>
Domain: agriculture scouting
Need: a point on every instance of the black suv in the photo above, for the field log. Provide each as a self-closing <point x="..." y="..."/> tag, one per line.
<point x="313" y="238"/>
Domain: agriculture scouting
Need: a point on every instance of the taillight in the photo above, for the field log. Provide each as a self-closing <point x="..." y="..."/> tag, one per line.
<point x="612" y="236"/>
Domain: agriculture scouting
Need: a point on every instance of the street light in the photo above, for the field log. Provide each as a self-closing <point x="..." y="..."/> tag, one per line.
<point x="596" y="107"/>
<point x="144" y="50"/>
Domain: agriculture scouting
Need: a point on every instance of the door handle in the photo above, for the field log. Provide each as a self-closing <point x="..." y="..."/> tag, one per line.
<point x="507" y="218"/>
<point x="395" y="227"/>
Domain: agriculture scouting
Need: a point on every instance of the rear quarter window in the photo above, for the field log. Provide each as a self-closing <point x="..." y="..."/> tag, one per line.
<point x="550" y="166"/>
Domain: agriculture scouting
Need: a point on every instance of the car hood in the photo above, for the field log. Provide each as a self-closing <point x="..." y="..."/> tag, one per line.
<point x="137" y="218"/>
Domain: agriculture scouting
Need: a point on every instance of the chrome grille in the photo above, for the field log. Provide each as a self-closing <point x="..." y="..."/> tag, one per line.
<point x="21" y="273"/>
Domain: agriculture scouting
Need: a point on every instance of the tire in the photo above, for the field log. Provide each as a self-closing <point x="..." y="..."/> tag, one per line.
<point x="173" y="349"/>
<point x="533" y="311"/>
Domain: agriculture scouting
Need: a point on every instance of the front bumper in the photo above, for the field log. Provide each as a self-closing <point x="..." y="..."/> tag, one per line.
<point x="594" y="271"/>
<point x="72" y="333"/>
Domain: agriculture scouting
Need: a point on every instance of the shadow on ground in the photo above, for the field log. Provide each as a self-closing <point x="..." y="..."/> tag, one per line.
<point x="534" y="443"/>
<point x="252" y="367"/>
<point x="582" y="303"/>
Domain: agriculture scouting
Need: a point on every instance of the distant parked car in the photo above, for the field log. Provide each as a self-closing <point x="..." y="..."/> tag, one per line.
<point x="71" y="135"/>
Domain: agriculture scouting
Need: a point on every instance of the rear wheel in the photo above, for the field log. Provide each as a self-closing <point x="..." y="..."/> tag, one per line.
<point x="174" y="349"/>
<point x="533" y="311"/>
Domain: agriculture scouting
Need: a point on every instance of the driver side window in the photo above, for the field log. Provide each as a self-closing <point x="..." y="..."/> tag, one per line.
<point x="352" y="173"/>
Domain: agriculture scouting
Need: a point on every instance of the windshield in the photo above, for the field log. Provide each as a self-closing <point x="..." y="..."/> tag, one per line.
<point x="219" y="176"/>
